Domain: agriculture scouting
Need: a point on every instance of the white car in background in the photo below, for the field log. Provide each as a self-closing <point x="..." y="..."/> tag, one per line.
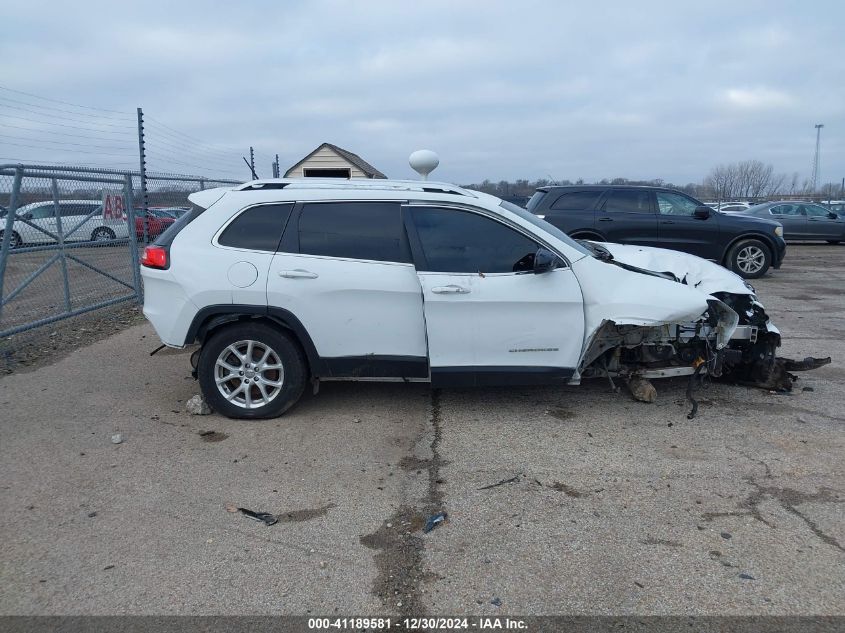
<point x="82" y="221"/>
<point x="729" y="207"/>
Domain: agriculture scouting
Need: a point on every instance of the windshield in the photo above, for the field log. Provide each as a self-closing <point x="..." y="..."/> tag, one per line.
<point x="544" y="226"/>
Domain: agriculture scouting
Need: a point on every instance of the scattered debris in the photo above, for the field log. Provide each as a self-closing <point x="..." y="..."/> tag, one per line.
<point x="323" y="564"/>
<point x="503" y="482"/>
<point x="694" y="381"/>
<point x="807" y="389"/>
<point x="639" y="585"/>
<point x="496" y="602"/>
<point x="117" y="438"/>
<point x="569" y="491"/>
<point x="108" y="567"/>
<point x="157" y="350"/>
<point x="262" y="517"/>
<point x="197" y="406"/>
<point x="434" y="520"/>
<point x="356" y="420"/>
<point x="212" y="436"/>
<point x="642" y="389"/>
<point x="725" y="535"/>
<point x="747" y="577"/>
<point x="91" y="515"/>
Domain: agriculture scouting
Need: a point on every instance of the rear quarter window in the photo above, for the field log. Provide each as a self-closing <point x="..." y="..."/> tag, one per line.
<point x="576" y="200"/>
<point x="257" y="228"/>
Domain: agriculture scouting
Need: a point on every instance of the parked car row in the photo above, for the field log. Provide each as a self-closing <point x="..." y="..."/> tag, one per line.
<point x="82" y="221"/>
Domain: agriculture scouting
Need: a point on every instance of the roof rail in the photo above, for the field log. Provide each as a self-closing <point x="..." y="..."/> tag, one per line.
<point x="361" y="183"/>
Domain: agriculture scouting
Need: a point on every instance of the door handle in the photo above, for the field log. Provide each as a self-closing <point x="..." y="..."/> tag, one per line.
<point x="298" y="274"/>
<point x="605" y="219"/>
<point x="450" y="290"/>
<point x="667" y="222"/>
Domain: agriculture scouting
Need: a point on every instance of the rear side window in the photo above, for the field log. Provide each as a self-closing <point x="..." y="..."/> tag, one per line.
<point x="576" y="201"/>
<point x="353" y="230"/>
<point x="535" y="200"/>
<point x="257" y="228"/>
<point x="463" y="242"/>
<point x="170" y="233"/>
<point x="629" y="201"/>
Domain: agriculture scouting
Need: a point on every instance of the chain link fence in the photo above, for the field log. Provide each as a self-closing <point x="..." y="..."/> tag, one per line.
<point x="70" y="240"/>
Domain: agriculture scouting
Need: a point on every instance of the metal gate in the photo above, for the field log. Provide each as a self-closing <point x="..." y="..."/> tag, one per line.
<point x="71" y="238"/>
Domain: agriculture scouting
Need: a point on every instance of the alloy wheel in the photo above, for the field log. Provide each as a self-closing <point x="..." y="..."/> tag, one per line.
<point x="750" y="259"/>
<point x="249" y="374"/>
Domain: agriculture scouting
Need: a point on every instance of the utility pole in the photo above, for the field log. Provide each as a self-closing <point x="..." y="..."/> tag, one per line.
<point x="252" y="159"/>
<point x="276" y="171"/>
<point x="815" y="177"/>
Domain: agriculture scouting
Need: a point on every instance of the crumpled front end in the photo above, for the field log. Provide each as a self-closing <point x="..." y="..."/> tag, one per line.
<point x="684" y="316"/>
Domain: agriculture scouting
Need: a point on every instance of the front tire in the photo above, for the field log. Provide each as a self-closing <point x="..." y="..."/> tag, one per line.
<point x="251" y="371"/>
<point x="102" y="234"/>
<point x="749" y="259"/>
<point x="14" y="241"/>
<point x="834" y="242"/>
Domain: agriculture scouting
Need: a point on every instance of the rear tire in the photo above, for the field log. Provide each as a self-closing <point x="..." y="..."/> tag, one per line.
<point x="749" y="259"/>
<point x="251" y="371"/>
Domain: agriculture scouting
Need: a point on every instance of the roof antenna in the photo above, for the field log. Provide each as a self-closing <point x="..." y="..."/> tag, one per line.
<point x="423" y="161"/>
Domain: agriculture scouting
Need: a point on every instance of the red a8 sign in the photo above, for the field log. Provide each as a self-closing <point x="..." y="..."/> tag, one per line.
<point x="113" y="207"/>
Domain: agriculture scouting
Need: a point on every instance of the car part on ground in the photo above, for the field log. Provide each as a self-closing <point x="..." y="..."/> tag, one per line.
<point x="284" y="282"/>
<point x="664" y="218"/>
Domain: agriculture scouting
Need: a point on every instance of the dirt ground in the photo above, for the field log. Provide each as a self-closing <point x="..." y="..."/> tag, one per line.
<point x="608" y="506"/>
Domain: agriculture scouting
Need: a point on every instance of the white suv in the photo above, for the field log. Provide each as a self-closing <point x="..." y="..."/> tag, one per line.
<point x="283" y="282"/>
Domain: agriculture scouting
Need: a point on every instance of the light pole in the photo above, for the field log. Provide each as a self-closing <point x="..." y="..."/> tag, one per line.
<point x="815" y="178"/>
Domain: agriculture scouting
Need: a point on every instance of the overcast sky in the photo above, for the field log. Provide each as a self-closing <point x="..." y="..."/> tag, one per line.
<point x="500" y="90"/>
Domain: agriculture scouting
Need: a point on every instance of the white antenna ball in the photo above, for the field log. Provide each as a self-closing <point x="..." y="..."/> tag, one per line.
<point x="423" y="161"/>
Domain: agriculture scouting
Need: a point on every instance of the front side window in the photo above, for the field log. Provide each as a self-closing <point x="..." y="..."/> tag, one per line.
<point x="676" y="204"/>
<point x="628" y="201"/>
<point x="785" y="209"/>
<point x="353" y="230"/>
<point x="815" y="212"/>
<point x="258" y="228"/>
<point x="455" y="241"/>
<point x="576" y="200"/>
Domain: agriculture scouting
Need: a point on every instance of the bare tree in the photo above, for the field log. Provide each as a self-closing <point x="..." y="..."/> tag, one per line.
<point x="747" y="179"/>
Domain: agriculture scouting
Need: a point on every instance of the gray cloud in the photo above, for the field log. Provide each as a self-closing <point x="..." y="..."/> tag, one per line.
<point x="499" y="90"/>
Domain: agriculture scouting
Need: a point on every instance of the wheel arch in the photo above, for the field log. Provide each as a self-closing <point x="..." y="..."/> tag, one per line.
<point x="211" y="318"/>
<point x="749" y="236"/>
<point x="587" y="234"/>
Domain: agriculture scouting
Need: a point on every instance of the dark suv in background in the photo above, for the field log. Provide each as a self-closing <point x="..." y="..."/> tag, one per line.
<point x="654" y="216"/>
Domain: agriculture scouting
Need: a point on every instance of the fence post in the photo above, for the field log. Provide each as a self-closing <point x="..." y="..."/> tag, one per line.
<point x="60" y="233"/>
<point x="11" y="212"/>
<point x="133" y="237"/>
<point x="143" y="158"/>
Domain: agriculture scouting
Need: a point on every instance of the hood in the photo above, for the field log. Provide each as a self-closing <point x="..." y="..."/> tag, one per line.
<point x="695" y="272"/>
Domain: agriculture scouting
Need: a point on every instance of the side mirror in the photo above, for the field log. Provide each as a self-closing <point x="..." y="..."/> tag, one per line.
<point x="544" y="261"/>
<point x="27" y="215"/>
<point x="701" y="213"/>
<point x="832" y="215"/>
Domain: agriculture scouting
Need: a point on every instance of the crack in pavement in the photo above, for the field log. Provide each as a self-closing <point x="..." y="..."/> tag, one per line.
<point x="788" y="499"/>
<point x="398" y="541"/>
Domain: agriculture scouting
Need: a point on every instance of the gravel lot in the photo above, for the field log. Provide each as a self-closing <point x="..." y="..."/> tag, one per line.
<point x="615" y="507"/>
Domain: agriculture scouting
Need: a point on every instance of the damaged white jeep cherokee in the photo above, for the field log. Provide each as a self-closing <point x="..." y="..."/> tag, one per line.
<point x="286" y="282"/>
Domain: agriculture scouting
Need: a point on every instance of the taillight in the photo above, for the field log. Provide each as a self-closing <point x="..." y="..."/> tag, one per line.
<point x="155" y="257"/>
